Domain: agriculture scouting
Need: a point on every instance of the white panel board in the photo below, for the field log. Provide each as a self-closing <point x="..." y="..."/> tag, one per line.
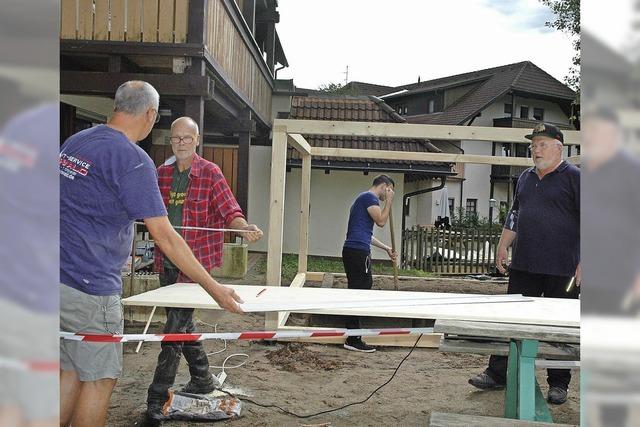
<point x="540" y="311"/>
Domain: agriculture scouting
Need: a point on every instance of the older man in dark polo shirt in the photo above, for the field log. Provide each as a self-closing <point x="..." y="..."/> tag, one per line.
<point x="544" y="228"/>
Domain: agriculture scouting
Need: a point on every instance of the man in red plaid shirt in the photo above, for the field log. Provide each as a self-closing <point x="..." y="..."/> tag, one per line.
<point x="196" y="194"/>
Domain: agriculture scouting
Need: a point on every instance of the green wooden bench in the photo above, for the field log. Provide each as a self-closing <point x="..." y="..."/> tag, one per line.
<point x="523" y="344"/>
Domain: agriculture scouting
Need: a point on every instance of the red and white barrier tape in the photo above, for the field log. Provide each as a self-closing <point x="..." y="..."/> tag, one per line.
<point x="29" y="365"/>
<point x="242" y="336"/>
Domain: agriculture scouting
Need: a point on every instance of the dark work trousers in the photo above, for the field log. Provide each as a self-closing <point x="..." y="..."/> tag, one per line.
<point x="357" y="266"/>
<point x="179" y="321"/>
<point x="535" y="285"/>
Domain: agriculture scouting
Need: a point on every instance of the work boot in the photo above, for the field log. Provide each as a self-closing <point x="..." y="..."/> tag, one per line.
<point x="154" y="415"/>
<point x="356" y="344"/>
<point x="201" y="387"/>
<point x="483" y="381"/>
<point x="557" y="395"/>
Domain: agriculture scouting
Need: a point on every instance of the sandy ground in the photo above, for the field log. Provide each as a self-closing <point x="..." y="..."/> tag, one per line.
<point x="307" y="378"/>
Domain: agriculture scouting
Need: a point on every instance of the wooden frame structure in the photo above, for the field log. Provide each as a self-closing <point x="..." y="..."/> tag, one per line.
<point x="289" y="132"/>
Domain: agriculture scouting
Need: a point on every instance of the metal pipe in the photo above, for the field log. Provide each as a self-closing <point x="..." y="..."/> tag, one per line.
<point x="443" y="181"/>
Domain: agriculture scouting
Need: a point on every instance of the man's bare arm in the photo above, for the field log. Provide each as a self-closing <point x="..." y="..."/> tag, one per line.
<point x="177" y="250"/>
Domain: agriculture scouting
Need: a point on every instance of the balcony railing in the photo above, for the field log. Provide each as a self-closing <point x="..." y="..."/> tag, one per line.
<point x="159" y="21"/>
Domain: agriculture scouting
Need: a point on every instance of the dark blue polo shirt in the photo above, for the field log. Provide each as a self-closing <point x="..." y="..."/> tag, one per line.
<point x="546" y="218"/>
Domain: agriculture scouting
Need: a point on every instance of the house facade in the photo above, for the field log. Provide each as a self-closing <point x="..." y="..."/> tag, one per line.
<point x="515" y="95"/>
<point x="212" y="60"/>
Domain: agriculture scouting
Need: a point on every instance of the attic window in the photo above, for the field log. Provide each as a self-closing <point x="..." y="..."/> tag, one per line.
<point x="508" y="109"/>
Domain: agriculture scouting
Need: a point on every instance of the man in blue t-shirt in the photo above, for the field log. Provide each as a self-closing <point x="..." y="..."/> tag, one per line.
<point x="106" y="183"/>
<point x="356" y="252"/>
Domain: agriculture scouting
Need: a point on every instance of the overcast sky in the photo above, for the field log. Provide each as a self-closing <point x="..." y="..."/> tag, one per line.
<point x="393" y="43"/>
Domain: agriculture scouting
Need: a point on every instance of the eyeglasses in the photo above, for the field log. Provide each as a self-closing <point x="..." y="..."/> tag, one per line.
<point x="179" y="139"/>
<point x="541" y="146"/>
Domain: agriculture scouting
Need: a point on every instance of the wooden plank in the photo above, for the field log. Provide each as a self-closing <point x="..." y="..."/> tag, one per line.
<point x="427" y="340"/>
<point x="134" y="20"/>
<point x="297" y="282"/>
<point x="420" y="131"/>
<point x="276" y="215"/>
<point x="442" y="419"/>
<point x="101" y="23"/>
<point x="68" y="19"/>
<point x="166" y="15"/>
<point x="315" y="276"/>
<point x="534" y="311"/>
<point x="425" y="157"/>
<point x="149" y="20"/>
<point x="85" y="19"/>
<point x="118" y="15"/>
<point x="566" y="334"/>
<point x="298" y="142"/>
<point x="475" y="346"/>
<point x="305" y="200"/>
<point x="182" y="21"/>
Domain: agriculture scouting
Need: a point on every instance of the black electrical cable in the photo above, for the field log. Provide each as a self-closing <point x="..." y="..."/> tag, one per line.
<point x="270" y="406"/>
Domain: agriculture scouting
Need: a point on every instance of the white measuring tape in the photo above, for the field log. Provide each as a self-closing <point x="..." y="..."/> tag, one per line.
<point x="232" y="230"/>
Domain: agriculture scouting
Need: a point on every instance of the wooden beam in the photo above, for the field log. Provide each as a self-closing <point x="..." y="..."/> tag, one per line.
<point x="427" y="340"/>
<point x="315" y="276"/>
<point x="276" y="217"/>
<point x="508" y="330"/>
<point x="244" y="144"/>
<point x="130" y="48"/>
<point x="418" y="131"/>
<point x="297" y="282"/>
<point x="305" y="196"/>
<point x="425" y="157"/>
<point x="298" y="142"/>
<point x="101" y="83"/>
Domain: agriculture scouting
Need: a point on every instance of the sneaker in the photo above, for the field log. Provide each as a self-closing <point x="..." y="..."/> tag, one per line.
<point x="356" y="344"/>
<point x="199" y="387"/>
<point x="483" y="381"/>
<point x="557" y="395"/>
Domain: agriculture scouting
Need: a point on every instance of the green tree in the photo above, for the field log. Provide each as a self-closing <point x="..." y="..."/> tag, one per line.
<point x="567" y="20"/>
<point x="336" y="89"/>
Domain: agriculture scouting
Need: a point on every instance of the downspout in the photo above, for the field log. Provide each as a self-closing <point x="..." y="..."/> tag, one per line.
<point x="405" y="198"/>
<point x="275" y="73"/>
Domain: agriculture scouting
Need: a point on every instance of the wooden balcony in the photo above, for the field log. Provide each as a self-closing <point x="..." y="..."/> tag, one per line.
<point x="165" y="28"/>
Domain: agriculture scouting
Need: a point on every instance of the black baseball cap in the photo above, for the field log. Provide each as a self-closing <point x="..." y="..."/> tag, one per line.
<point x="545" y="129"/>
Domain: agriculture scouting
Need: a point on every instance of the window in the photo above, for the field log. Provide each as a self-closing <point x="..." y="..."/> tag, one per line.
<point x="538" y="114"/>
<point x="432" y="105"/>
<point x="405" y="111"/>
<point x="472" y="206"/>
<point x="522" y="150"/>
<point x="508" y="109"/>
<point x="452" y="207"/>
<point x="524" y="112"/>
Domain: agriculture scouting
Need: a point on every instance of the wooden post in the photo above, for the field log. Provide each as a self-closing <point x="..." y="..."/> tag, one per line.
<point x="393" y="247"/>
<point x="244" y="145"/>
<point x="305" y="195"/>
<point x="276" y="216"/>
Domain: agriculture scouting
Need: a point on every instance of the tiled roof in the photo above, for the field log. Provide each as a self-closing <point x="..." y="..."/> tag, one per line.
<point x="350" y="108"/>
<point x="492" y="84"/>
